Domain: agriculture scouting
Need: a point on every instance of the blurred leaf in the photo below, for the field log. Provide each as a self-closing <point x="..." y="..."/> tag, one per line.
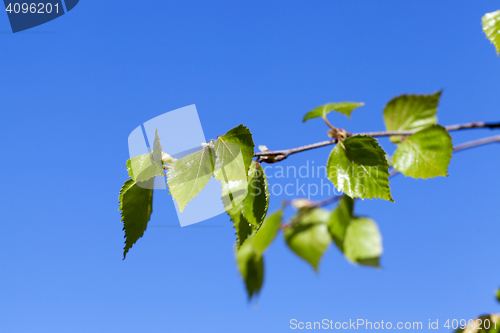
<point x="491" y="27"/>
<point x="363" y="242"/>
<point x="308" y="237"/>
<point x="498" y="295"/>
<point x="357" y="237"/>
<point x="339" y="221"/>
<point x="342" y="107"/>
<point x="268" y="231"/>
<point x="242" y="137"/>
<point x="143" y="167"/>
<point x="411" y="112"/>
<point x="358" y="167"/>
<point x="424" y="154"/>
<point x="136" y="205"/>
<point x="187" y="176"/>
<point x="484" y="324"/>
<point x="251" y="267"/>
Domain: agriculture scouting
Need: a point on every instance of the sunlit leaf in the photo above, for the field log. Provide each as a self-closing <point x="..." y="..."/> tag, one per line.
<point x="359" y="168"/>
<point x="343" y="107"/>
<point x="143" y="167"/>
<point x="491" y="27"/>
<point x="424" y="154"/>
<point x="308" y="237"/>
<point x="242" y="137"/>
<point x="256" y="202"/>
<point x="411" y="113"/>
<point x="229" y="164"/>
<point x="187" y="176"/>
<point x="136" y="205"/>
<point x="247" y="203"/>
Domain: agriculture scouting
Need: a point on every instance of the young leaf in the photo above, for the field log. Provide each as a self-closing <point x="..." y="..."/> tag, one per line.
<point x="187" y="176"/>
<point x="251" y="267"/>
<point x="357" y="237"/>
<point x="247" y="214"/>
<point x="491" y="27"/>
<point x="424" y="154"/>
<point x="242" y="137"/>
<point x="498" y="295"/>
<point x="411" y="112"/>
<point x="267" y="232"/>
<point x="359" y="168"/>
<point x="136" y="205"/>
<point x="256" y="202"/>
<point x="143" y="167"/>
<point x="309" y="237"/>
<point x="363" y="242"/>
<point x="229" y="164"/>
<point x="342" y="107"/>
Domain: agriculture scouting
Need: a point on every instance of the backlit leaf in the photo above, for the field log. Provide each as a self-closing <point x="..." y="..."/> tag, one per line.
<point x="309" y="237"/>
<point x="136" y="205"/>
<point x="187" y="176"/>
<point x="339" y="221"/>
<point x="242" y="137"/>
<point x="411" y="113"/>
<point x="359" y="168"/>
<point x="144" y="167"/>
<point x="343" y="107"/>
<point x="491" y="27"/>
<point x="267" y="232"/>
<point x="424" y="154"/>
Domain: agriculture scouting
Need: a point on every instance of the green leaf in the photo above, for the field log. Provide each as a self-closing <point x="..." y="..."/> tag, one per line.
<point x="242" y="137"/>
<point x="339" y="221"/>
<point x="491" y="27"/>
<point x="147" y="166"/>
<point x="424" y="154"/>
<point x="136" y="205"/>
<point x="187" y="176"/>
<point x="309" y="237"/>
<point x="498" y="295"/>
<point x="342" y="107"/>
<point x="248" y="213"/>
<point x="411" y="113"/>
<point x="267" y="232"/>
<point x="229" y="164"/>
<point x="357" y="237"/>
<point x="363" y="242"/>
<point x="256" y="202"/>
<point x="251" y="267"/>
<point x="358" y="167"/>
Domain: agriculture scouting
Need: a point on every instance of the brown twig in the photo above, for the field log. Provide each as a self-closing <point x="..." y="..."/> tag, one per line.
<point x="279" y="155"/>
<point x="393" y="172"/>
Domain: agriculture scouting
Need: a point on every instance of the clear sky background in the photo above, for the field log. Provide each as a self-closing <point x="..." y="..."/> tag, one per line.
<point x="73" y="89"/>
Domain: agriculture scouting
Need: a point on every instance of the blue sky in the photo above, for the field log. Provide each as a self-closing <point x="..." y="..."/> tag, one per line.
<point x="73" y="89"/>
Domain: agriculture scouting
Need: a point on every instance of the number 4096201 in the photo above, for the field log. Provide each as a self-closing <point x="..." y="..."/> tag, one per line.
<point x="33" y="8"/>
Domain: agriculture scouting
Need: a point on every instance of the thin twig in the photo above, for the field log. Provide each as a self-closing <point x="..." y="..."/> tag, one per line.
<point x="393" y="172"/>
<point x="282" y="154"/>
